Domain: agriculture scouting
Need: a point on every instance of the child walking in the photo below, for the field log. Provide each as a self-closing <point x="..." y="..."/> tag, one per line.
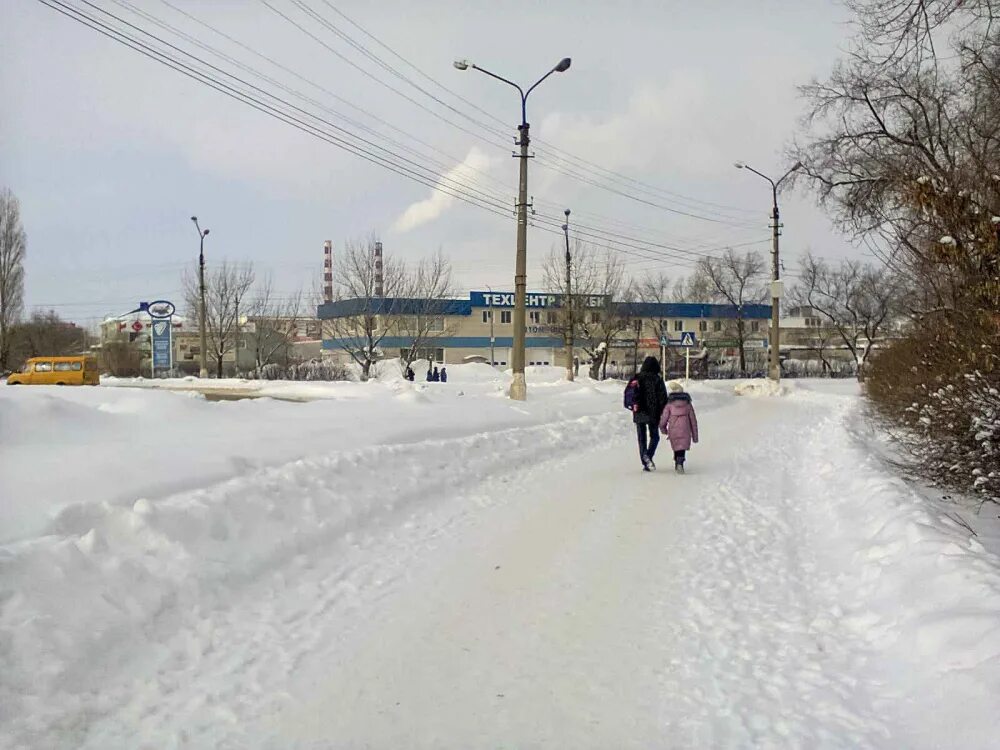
<point x="679" y="423"/>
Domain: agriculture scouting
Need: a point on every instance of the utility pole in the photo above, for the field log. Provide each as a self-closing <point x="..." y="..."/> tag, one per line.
<point x="493" y="338"/>
<point x="568" y="301"/>
<point x="774" y="362"/>
<point x="774" y="359"/>
<point x="203" y="362"/>
<point x="518" y="386"/>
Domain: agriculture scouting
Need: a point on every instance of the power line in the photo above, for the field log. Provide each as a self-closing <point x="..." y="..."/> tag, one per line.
<point x="390" y="160"/>
<point x="561" y="154"/>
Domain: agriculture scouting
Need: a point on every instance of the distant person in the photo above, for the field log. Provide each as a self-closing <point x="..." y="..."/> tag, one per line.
<point x="430" y="375"/>
<point x="679" y="423"/>
<point x="444" y="375"/>
<point x="409" y="374"/>
<point x="436" y="376"/>
<point x="646" y="396"/>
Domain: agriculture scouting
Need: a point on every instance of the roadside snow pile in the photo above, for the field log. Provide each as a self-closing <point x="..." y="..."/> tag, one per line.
<point x="77" y="604"/>
<point x="67" y="447"/>
<point x="763" y="388"/>
<point x="918" y="589"/>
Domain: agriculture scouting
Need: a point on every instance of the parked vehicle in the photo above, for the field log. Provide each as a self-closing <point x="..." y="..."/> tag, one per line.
<point x="57" y="371"/>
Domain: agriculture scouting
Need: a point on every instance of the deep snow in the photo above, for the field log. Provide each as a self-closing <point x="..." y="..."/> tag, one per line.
<point x="400" y="566"/>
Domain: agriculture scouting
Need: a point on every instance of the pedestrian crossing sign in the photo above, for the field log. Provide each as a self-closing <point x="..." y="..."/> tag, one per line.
<point x="688" y="339"/>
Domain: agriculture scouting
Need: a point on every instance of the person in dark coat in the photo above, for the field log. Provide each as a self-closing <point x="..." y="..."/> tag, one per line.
<point x="430" y="375"/>
<point x="410" y="375"/>
<point x="649" y="407"/>
<point x="436" y="377"/>
<point x="444" y="375"/>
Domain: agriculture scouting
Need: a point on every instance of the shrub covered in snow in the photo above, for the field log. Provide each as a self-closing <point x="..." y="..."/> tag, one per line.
<point x="939" y="391"/>
<point x="317" y="369"/>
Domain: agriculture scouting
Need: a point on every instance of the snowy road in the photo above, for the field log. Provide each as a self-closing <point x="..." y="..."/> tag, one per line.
<point x="530" y="588"/>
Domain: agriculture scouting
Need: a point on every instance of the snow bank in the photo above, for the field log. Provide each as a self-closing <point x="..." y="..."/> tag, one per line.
<point x="916" y="587"/>
<point x="78" y="604"/>
<point x="68" y="447"/>
<point x="764" y="388"/>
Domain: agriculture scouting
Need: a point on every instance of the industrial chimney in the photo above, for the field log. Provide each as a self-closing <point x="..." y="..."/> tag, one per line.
<point x="379" y="281"/>
<point x="328" y="271"/>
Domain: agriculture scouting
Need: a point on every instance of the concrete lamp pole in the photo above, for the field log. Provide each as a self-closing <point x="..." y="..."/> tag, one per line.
<point x="774" y="363"/>
<point x="519" y="387"/>
<point x="203" y="361"/>
<point x="570" y="343"/>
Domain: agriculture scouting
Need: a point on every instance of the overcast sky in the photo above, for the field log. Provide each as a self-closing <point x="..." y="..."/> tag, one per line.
<point x="111" y="153"/>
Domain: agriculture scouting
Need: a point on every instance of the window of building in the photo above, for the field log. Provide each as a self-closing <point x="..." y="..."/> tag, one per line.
<point x="550" y="318"/>
<point x="678" y="325"/>
<point x="505" y="316"/>
<point x="595" y="317"/>
<point x="535" y="317"/>
<point x="436" y="325"/>
<point x="755" y="326"/>
<point x="703" y="325"/>
<point x="43" y="367"/>
<point x="716" y="325"/>
<point x="487" y="315"/>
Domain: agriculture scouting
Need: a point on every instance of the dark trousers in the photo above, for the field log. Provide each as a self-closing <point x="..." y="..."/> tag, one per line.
<point x="647" y="450"/>
<point x="679" y="457"/>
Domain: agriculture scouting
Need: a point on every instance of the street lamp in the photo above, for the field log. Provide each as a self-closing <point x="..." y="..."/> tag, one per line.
<point x="518" y="387"/>
<point x="774" y="365"/>
<point x="570" y="343"/>
<point x="203" y="363"/>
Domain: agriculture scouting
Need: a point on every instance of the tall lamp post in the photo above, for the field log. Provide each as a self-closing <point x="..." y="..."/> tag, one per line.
<point x="570" y="343"/>
<point x="518" y="387"/>
<point x="203" y="362"/>
<point x="774" y="363"/>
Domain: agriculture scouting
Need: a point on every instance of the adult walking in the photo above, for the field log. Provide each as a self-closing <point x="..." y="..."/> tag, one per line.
<point x="649" y="404"/>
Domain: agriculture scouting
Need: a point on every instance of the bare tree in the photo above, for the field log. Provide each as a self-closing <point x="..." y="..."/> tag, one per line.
<point x="606" y="313"/>
<point x="575" y="298"/>
<point x="857" y="300"/>
<point x="737" y="281"/>
<point x="427" y="290"/>
<point x="226" y="289"/>
<point x="13" y="244"/>
<point x="46" y="334"/>
<point x="366" y="317"/>
<point x="273" y="324"/>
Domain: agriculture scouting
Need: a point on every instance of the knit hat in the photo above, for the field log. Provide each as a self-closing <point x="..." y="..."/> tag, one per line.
<point x="674" y="387"/>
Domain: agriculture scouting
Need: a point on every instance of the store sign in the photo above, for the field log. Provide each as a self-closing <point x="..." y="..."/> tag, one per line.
<point x="533" y="300"/>
<point x="161" y="309"/>
<point x="162" y="349"/>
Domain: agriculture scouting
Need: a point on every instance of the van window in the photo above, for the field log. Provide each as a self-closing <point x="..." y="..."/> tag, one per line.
<point x="77" y="366"/>
<point x="26" y="367"/>
<point x="43" y="367"/>
<point x="66" y="366"/>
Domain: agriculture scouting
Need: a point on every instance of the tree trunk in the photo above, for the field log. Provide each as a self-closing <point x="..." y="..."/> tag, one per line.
<point x="218" y="368"/>
<point x="366" y="368"/>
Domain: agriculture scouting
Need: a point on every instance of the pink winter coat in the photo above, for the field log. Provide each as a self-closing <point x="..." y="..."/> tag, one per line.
<point x="679" y="422"/>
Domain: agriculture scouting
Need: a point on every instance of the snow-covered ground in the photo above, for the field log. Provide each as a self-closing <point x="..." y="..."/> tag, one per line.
<point x="433" y="566"/>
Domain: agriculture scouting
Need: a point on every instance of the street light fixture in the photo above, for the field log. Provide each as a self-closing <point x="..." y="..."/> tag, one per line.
<point x="568" y="302"/>
<point x="518" y="387"/>
<point x="774" y="365"/>
<point x="203" y="362"/>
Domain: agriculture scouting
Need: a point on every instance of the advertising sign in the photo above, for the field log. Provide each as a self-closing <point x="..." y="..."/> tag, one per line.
<point x="162" y="345"/>
<point x="532" y="300"/>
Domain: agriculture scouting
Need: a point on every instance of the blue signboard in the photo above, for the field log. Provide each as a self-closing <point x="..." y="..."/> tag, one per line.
<point x="532" y="299"/>
<point x="162" y="344"/>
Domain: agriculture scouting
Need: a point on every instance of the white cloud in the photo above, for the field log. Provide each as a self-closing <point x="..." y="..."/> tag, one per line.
<point x="431" y="208"/>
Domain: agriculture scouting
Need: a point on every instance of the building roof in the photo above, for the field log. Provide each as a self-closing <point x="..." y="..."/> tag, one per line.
<point x="409" y="306"/>
<point x="393" y="306"/>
